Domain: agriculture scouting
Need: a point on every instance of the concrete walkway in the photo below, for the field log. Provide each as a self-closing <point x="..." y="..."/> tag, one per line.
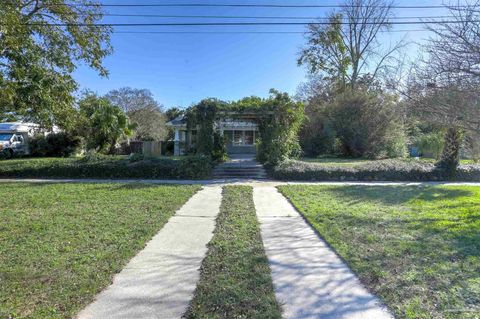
<point x="159" y="282"/>
<point x="310" y="280"/>
<point x="221" y="182"/>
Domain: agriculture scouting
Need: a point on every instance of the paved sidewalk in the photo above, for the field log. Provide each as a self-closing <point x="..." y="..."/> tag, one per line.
<point x="310" y="280"/>
<point x="223" y="182"/>
<point x="160" y="280"/>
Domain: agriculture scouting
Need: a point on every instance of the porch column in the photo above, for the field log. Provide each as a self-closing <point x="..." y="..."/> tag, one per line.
<point x="176" y="145"/>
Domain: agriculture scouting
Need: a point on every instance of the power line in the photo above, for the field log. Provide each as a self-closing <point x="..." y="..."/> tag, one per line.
<point x="174" y="24"/>
<point x="252" y="17"/>
<point x="237" y="32"/>
<point x="251" y="5"/>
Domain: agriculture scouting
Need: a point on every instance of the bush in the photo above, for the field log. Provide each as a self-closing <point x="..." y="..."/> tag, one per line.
<point x="279" y="129"/>
<point x="431" y="144"/>
<point x="472" y="146"/>
<point x="102" y="166"/>
<point x="382" y="170"/>
<point x="219" y="153"/>
<point x="92" y="156"/>
<point x="367" y="124"/>
<point x="194" y="167"/>
<point x="56" y="144"/>
<point x="317" y="136"/>
<point x="136" y="157"/>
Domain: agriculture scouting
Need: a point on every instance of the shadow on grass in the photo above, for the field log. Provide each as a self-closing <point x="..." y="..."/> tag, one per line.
<point x="417" y="246"/>
<point x="397" y="195"/>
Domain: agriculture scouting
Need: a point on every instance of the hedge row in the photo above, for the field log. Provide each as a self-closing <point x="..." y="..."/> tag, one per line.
<point x="194" y="167"/>
<point x="384" y="170"/>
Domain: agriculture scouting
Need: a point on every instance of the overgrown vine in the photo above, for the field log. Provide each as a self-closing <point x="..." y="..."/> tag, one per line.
<point x="279" y="119"/>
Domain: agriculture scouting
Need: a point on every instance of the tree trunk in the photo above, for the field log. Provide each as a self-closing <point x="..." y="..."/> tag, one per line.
<point x="450" y="157"/>
<point x="111" y="149"/>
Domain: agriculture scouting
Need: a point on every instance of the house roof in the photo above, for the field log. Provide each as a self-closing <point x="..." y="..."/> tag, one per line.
<point x="233" y="119"/>
<point x="178" y="121"/>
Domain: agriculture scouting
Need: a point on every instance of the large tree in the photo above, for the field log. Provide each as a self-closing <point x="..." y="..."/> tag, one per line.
<point x="445" y="88"/>
<point x="41" y="44"/>
<point x="102" y="123"/>
<point x="347" y="49"/>
<point x="143" y="110"/>
<point x="454" y="48"/>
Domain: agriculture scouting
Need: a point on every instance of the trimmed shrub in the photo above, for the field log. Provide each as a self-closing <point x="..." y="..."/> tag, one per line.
<point x="188" y="167"/>
<point x="382" y="170"/>
<point x="56" y="144"/>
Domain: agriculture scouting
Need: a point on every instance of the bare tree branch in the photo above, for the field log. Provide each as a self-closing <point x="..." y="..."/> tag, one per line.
<point x="352" y="38"/>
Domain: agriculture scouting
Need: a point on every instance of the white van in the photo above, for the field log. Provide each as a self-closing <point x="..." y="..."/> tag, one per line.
<point x="14" y="137"/>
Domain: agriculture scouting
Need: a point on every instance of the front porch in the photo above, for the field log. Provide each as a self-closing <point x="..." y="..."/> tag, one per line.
<point x="240" y="141"/>
<point x="240" y="136"/>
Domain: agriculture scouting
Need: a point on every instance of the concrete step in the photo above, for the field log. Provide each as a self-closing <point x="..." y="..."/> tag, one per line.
<point x="239" y="166"/>
<point x="240" y="170"/>
<point x="236" y="170"/>
<point x="241" y="175"/>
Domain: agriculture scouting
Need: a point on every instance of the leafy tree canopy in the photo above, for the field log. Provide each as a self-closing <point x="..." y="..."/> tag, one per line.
<point x="41" y="42"/>
<point x="174" y="112"/>
<point x="143" y="110"/>
<point x="101" y="123"/>
<point x="131" y="99"/>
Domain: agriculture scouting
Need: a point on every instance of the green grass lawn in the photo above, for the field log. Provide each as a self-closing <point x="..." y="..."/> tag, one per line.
<point x="60" y="244"/>
<point x="235" y="277"/>
<point x="417" y="247"/>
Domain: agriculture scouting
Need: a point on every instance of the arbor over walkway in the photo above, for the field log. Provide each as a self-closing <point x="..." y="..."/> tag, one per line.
<point x="279" y="118"/>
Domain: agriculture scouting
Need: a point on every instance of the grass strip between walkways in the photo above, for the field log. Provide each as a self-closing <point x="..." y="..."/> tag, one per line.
<point x="61" y="244"/>
<point x="235" y="276"/>
<point x="417" y="247"/>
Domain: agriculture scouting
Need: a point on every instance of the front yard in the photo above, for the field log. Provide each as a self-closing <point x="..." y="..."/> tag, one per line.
<point x="235" y="276"/>
<point x="417" y="247"/>
<point x="60" y="244"/>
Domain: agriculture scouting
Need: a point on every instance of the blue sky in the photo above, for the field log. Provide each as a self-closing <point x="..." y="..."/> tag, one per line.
<point x="181" y="69"/>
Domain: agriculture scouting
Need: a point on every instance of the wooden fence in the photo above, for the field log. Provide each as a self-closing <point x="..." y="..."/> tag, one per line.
<point x="152" y="148"/>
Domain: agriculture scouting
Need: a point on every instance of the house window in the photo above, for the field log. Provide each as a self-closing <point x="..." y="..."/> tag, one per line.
<point x="249" y="137"/>
<point x="240" y="137"/>
<point x="237" y="138"/>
